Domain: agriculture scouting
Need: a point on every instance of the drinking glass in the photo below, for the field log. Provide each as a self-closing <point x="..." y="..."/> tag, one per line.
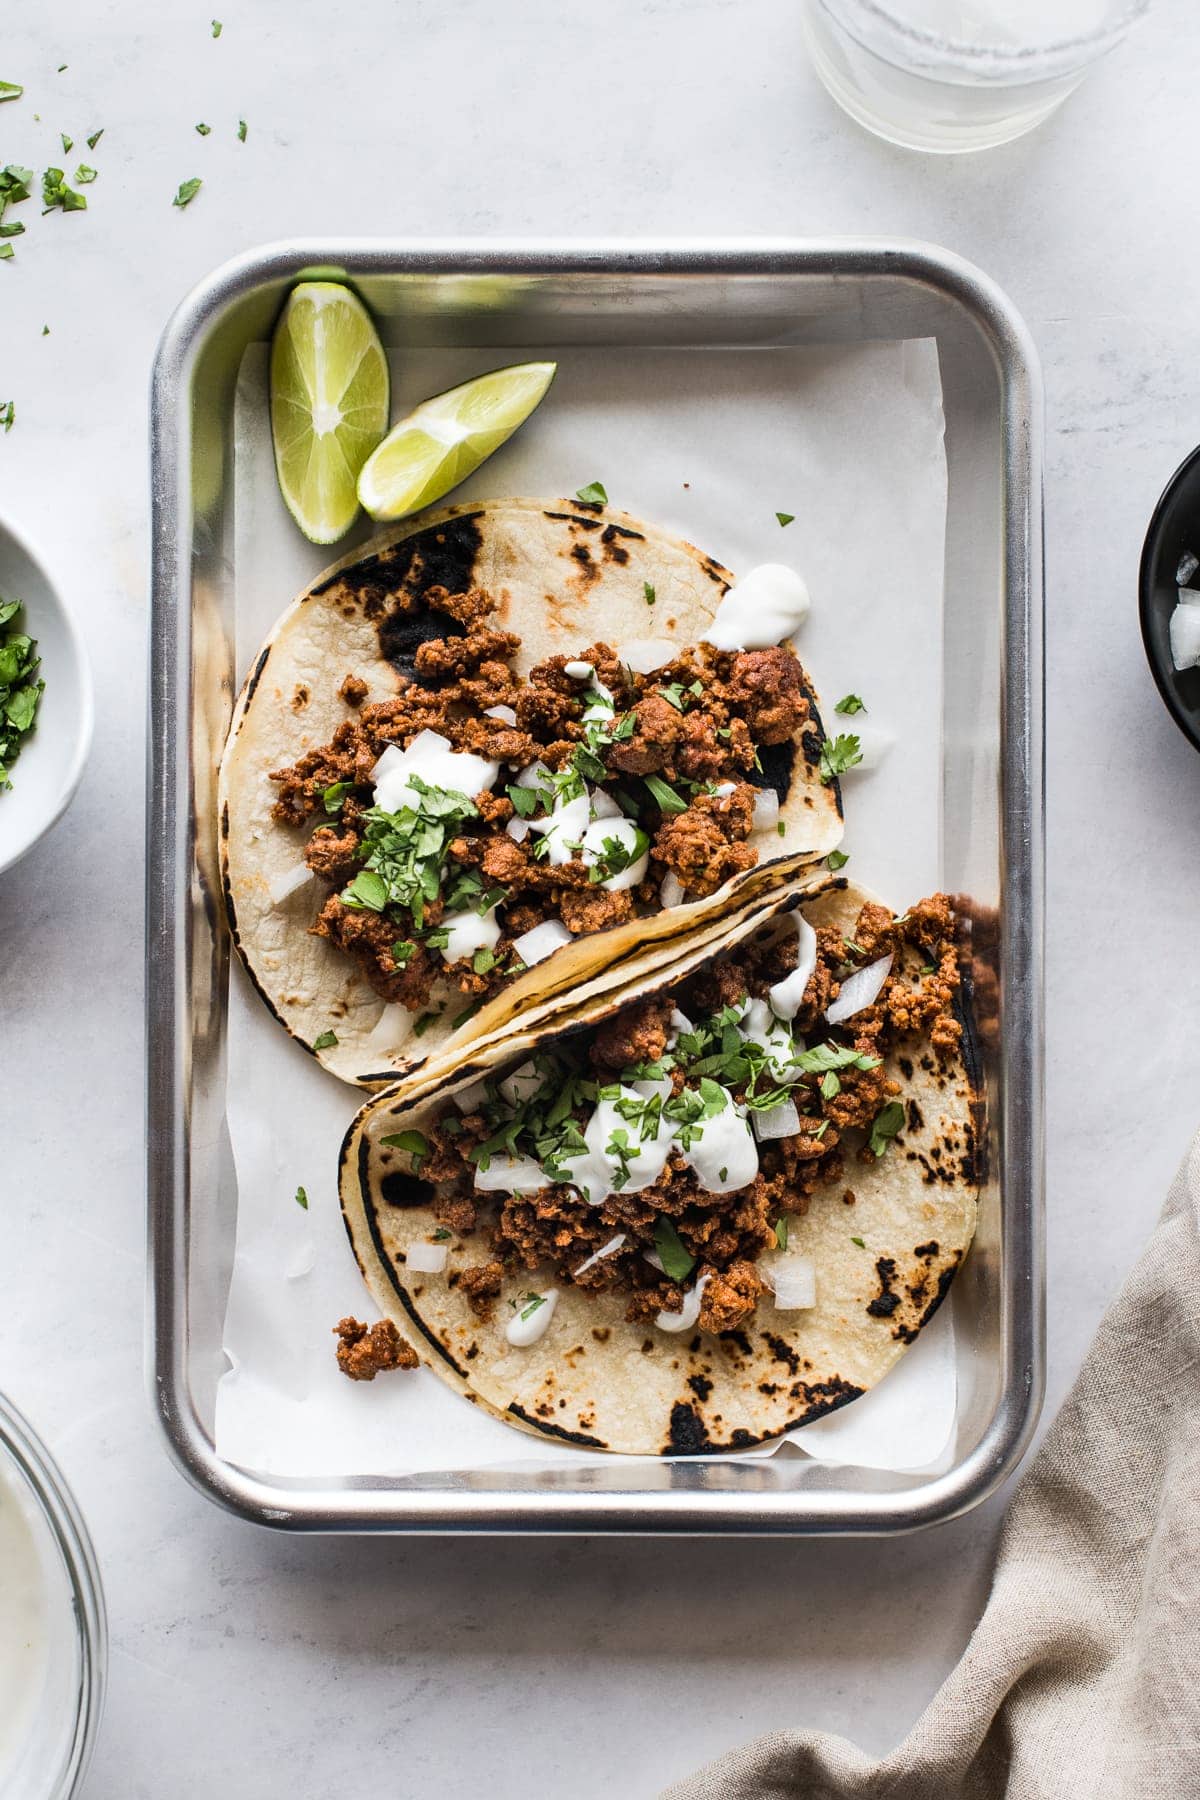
<point x="947" y="75"/>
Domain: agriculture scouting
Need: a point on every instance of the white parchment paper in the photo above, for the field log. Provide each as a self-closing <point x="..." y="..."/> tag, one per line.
<point x="710" y="444"/>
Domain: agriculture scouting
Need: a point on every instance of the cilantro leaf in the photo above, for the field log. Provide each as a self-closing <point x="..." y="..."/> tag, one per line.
<point x="302" y="1198"/>
<point x="95" y="137"/>
<point x="837" y="859"/>
<point x="216" y="28"/>
<point x="648" y="592"/>
<point x="837" y="755"/>
<point x="241" y="131"/>
<point x="326" y="1041"/>
<point x="188" y="189"/>
<point x="593" y="494"/>
<point x="414" y="1142"/>
<point x="85" y="174"/>
<point x="886" y="1124"/>
<point x="850" y="703"/>
<point x="204" y="130"/>
<point x="668" y="800"/>
<point x="785" y="518"/>
<point x="781" y="1231"/>
<point x="677" y="1261"/>
<point x="10" y="90"/>
<point x="859" y="1242"/>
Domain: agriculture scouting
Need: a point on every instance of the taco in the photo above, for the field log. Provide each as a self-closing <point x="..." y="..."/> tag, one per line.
<point x="696" y="1214"/>
<point x="493" y="754"/>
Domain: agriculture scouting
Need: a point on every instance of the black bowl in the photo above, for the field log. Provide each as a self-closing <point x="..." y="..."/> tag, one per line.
<point x="1174" y="530"/>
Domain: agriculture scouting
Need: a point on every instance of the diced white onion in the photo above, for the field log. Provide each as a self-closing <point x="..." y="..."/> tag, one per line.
<point x="645" y="655"/>
<point x="290" y="882"/>
<point x="766" y="809"/>
<point x="579" y="671"/>
<point x="523" y="1330"/>
<point x="1185" y="633"/>
<point x="520" y="1085"/>
<point x="794" y="1280"/>
<point x="1188" y="564"/>
<point x="393" y="758"/>
<point x="859" y="990"/>
<point x="535" y="774"/>
<point x="671" y="890"/>
<point x="426" y="1259"/>
<point x="563" y="829"/>
<point x="469" y="1099"/>
<point x="511" y="1175"/>
<point x="391" y="1030"/>
<point x="468" y="932"/>
<point x="678" y="1022"/>
<point x="430" y="757"/>
<point x="517" y="828"/>
<point x="688" y="1313"/>
<point x="723" y="791"/>
<point x="542" y="941"/>
<point x="604" y="806"/>
<point x="504" y="713"/>
<point x="613" y="1244"/>
<point x="776" y="1121"/>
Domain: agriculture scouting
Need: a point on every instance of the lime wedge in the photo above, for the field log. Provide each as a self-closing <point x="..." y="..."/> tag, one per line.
<point x="446" y="438"/>
<point x="329" y="405"/>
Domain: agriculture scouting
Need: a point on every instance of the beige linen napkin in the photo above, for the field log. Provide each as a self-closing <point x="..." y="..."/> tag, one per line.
<point x="1082" y="1680"/>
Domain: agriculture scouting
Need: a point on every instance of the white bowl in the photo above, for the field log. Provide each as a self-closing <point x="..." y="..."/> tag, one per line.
<point x="47" y="772"/>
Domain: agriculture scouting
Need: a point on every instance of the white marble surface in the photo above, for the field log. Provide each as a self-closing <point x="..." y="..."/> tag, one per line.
<point x="253" y="1665"/>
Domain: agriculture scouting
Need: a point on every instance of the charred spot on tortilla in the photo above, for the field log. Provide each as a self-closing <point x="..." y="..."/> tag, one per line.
<point x="225" y="820"/>
<point x="776" y="766"/>
<point x="256" y="673"/>
<point x="688" y="1434"/>
<point x="300" y="698"/>
<point x="926" y="1252"/>
<point x="701" y="1386"/>
<point x="887" y="1300"/>
<point x="781" y="1351"/>
<point x="916" y="1117"/>
<point x="555" y="1431"/>
<point x="400" y="1188"/>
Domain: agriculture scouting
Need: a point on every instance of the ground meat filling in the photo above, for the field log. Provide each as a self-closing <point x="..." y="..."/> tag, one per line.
<point x="725" y="1234"/>
<point x="364" y="1352"/>
<point x="694" y="725"/>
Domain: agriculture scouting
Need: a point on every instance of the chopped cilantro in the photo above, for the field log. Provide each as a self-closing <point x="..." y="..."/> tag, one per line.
<point x="11" y="90"/>
<point x="334" y="794"/>
<point x="461" y="1018"/>
<point x="837" y="859"/>
<point x="781" y="1232"/>
<point x="850" y="703"/>
<point x="885" y="1125"/>
<point x="21" y="688"/>
<point x="326" y="1041"/>
<point x="216" y="28"/>
<point x="441" y="1234"/>
<point x="204" y="130"/>
<point x="648" y="591"/>
<point x="8" y="413"/>
<point x="668" y="800"/>
<point x="673" y="695"/>
<point x="68" y="143"/>
<point x="84" y="174"/>
<point x="95" y="137"/>
<point x="403" y="851"/>
<point x="781" y="828"/>
<point x="302" y="1198"/>
<point x="56" y="194"/>
<point x="677" y="1261"/>
<point x="831" y="1087"/>
<point x="188" y="190"/>
<point x="525" y="800"/>
<point x="785" y="518"/>
<point x="593" y="494"/>
<point x="367" y="891"/>
<point x="616" y="855"/>
<point x="532" y="1302"/>
<point x="415" y="1143"/>
<point x="483" y="960"/>
<point x="823" y="1057"/>
<point x="837" y="755"/>
<point x="722" y="1176"/>
<point x="402" y="951"/>
<point x="859" y="1242"/>
<point x="242" y="130"/>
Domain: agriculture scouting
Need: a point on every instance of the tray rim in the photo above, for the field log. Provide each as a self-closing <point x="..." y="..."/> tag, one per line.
<point x="373" y="1505"/>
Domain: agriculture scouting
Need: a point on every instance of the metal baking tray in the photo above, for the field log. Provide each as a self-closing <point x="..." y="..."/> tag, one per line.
<point x="527" y="299"/>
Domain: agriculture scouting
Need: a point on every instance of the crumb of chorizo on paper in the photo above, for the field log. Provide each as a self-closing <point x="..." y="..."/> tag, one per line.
<point x="365" y="1351"/>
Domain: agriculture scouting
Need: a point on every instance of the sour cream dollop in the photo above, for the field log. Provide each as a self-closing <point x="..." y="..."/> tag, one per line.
<point x="468" y="932"/>
<point x="723" y="1154"/>
<point x="530" y="1320"/>
<point x="762" y="609"/>
<point x="597" y="1170"/>
<point x="626" y="834"/>
<point x="787" y="995"/>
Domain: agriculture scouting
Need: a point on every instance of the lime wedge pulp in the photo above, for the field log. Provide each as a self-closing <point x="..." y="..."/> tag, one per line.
<point x="447" y="438"/>
<point x="329" y="405"/>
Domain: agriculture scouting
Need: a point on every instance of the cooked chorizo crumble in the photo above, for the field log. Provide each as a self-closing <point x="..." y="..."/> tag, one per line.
<point x="672" y="759"/>
<point x="708" y="1055"/>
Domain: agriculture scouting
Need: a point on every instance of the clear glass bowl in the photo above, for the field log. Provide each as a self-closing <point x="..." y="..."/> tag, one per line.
<point x="53" y="1629"/>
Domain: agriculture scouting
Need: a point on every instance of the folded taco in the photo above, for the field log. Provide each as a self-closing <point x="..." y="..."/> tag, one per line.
<point x="690" y="1217"/>
<point x="493" y="754"/>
